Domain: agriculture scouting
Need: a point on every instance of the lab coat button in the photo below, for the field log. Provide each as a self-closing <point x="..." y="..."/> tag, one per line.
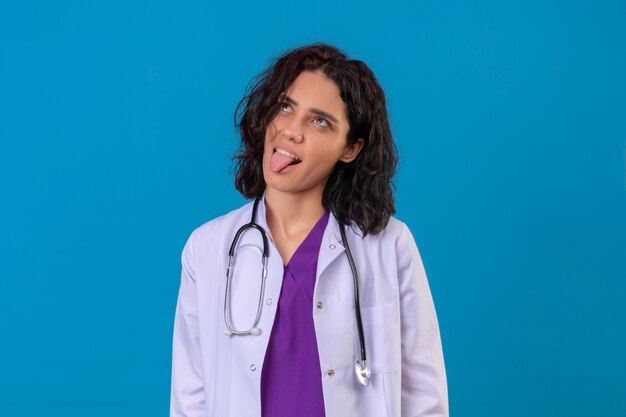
<point x="268" y="301"/>
<point x="253" y="367"/>
<point x="320" y="304"/>
<point x="331" y="372"/>
<point x="332" y="247"/>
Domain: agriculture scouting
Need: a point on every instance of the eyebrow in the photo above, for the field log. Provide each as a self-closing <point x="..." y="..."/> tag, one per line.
<point x="319" y="112"/>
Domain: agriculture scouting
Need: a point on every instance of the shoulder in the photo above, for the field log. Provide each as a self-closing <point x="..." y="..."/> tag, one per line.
<point x="213" y="230"/>
<point x="395" y="241"/>
<point x="394" y="231"/>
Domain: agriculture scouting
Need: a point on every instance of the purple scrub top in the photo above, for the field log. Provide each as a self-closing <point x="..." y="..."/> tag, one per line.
<point x="291" y="380"/>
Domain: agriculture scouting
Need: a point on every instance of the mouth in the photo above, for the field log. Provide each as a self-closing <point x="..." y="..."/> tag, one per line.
<point x="296" y="159"/>
<point x="281" y="159"/>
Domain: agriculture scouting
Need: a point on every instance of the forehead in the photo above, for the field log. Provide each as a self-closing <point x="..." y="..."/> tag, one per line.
<point x="315" y="90"/>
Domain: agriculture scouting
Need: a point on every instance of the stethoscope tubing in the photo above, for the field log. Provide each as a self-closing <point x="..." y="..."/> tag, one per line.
<point x="357" y="305"/>
<point x="229" y="276"/>
<point x="361" y="369"/>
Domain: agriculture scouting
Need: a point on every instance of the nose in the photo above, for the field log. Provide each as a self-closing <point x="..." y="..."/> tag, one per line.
<point x="292" y="132"/>
<point x="296" y="137"/>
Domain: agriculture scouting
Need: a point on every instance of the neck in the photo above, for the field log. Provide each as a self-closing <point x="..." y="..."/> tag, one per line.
<point x="292" y="214"/>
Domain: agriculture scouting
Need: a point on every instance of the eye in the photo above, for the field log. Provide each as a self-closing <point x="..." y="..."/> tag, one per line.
<point x="320" y="121"/>
<point x="286" y="107"/>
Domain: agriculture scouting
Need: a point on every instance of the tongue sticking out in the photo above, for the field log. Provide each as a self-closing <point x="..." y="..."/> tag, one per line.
<point x="279" y="162"/>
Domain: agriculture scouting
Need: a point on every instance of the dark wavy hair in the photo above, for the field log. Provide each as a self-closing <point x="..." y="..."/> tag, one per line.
<point x="359" y="191"/>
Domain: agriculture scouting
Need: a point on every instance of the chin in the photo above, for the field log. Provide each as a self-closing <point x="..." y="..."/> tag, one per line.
<point x="282" y="186"/>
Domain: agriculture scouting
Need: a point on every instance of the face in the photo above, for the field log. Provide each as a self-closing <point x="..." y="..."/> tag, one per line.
<point x="308" y="136"/>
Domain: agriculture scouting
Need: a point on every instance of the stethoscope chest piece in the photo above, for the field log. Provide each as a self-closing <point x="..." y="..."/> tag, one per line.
<point x="362" y="373"/>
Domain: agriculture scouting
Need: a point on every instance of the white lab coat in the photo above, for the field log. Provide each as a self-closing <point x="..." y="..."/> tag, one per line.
<point x="215" y="375"/>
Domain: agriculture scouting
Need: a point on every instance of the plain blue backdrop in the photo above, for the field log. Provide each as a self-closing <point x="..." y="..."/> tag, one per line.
<point x="116" y="132"/>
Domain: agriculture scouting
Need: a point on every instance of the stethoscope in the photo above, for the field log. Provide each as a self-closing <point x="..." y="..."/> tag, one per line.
<point x="360" y="367"/>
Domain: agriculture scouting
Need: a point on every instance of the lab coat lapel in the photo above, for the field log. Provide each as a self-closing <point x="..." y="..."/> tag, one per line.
<point x="331" y="246"/>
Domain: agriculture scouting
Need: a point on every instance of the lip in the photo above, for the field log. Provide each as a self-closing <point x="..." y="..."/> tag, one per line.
<point x="288" y="149"/>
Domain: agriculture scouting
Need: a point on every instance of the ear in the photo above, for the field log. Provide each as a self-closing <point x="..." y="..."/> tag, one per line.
<point x="351" y="151"/>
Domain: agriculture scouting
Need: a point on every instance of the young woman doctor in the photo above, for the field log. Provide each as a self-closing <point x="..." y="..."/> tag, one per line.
<point x="320" y="306"/>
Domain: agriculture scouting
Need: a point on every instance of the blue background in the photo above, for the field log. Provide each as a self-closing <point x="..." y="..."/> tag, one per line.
<point x="115" y="136"/>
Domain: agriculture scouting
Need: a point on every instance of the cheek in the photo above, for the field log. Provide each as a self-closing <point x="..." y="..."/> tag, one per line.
<point x="325" y="163"/>
<point x="269" y="137"/>
<point x="270" y="132"/>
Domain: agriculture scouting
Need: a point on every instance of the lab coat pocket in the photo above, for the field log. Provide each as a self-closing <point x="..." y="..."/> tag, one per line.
<point x="381" y="327"/>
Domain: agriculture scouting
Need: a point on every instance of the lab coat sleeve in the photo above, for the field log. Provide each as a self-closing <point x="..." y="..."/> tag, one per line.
<point x="424" y="386"/>
<point x="187" y="394"/>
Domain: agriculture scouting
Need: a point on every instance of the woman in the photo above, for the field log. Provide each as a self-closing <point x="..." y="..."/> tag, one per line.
<point x="317" y="155"/>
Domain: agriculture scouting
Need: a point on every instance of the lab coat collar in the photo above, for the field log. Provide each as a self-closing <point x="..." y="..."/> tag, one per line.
<point x="331" y="246"/>
<point x="262" y="217"/>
